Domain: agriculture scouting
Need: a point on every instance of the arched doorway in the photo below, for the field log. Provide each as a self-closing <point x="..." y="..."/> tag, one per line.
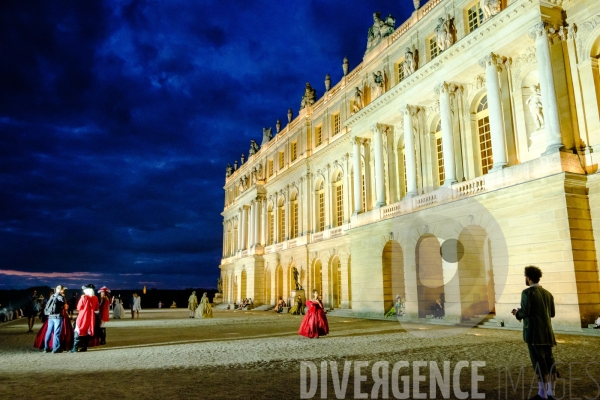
<point x="243" y="285"/>
<point x="267" y="295"/>
<point x="393" y="273"/>
<point x="317" y="277"/>
<point x="336" y="282"/>
<point x="430" y="274"/>
<point x="278" y="283"/>
<point x="475" y="273"/>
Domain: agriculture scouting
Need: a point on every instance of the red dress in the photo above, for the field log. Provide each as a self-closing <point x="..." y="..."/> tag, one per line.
<point x="314" y="323"/>
<point x="66" y="334"/>
<point x="86" y="320"/>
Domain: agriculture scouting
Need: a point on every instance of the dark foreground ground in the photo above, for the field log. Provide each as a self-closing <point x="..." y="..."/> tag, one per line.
<point x="257" y="355"/>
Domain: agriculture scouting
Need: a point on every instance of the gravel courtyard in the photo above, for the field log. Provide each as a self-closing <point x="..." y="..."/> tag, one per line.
<point x="257" y="354"/>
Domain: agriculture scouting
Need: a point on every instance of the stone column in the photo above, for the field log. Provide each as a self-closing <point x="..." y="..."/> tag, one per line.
<point x="357" y="175"/>
<point x="409" y="151"/>
<point x="251" y="223"/>
<point x="447" y="138"/>
<point x="367" y="174"/>
<point x="256" y="219"/>
<point x="379" y="176"/>
<point x="300" y="202"/>
<point x="286" y="210"/>
<point x="275" y="219"/>
<point x="551" y="118"/>
<point x="244" y="228"/>
<point x="491" y="64"/>
<point x="264" y="223"/>
<point x="239" y="232"/>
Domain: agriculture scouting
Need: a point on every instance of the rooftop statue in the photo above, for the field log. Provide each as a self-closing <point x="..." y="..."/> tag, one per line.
<point x="243" y="159"/>
<point x="267" y="136"/>
<point x="229" y="170"/>
<point x="253" y="148"/>
<point x="379" y="30"/>
<point x="309" y="97"/>
<point x="235" y="165"/>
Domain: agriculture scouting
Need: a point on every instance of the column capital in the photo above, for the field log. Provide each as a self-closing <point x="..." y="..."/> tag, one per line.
<point x="551" y="31"/>
<point x="492" y="59"/>
<point x="538" y="30"/>
<point x="379" y="127"/>
<point x="445" y="87"/>
<point x="409" y="110"/>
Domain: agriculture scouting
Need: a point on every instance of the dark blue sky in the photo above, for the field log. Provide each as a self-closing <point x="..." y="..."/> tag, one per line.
<point x="117" y="120"/>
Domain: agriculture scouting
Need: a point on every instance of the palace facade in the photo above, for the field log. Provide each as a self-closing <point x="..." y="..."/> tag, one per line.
<point x="464" y="147"/>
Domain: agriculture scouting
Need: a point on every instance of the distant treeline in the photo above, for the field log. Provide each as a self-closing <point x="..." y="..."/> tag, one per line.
<point x="17" y="298"/>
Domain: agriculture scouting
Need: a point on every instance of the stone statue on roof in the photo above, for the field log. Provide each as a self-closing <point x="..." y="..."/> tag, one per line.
<point x="309" y="97"/>
<point x="380" y="29"/>
<point x="267" y="136"/>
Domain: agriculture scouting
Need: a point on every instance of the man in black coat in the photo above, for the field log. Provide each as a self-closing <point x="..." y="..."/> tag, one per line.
<point x="537" y="309"/>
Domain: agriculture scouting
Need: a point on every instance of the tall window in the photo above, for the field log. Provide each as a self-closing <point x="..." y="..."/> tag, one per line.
<point x="294" y="218"/>
<point x="339" y="204"/>
<point x="474" y="17"/>
<point x="270" y="167"/>
<point x="400" y="72"/>
<point x="282" y="222"/>
<point x="440" y="153"/>
<point x="318" y="136"/>
<point x="336" y="124"/>
<point x="294" y="150"/>
<point x="433" y="48"/>
<point x="321" y="208"/>
<point x="485" y="138"/>
<point x="364" y="189"/>
<point x="271" y="227"/>
<point x="281" y="159"/>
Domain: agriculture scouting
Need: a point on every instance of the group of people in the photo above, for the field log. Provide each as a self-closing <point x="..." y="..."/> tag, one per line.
<point x="199" y="310"/>
<point x="58" y="334"/>
<point x="245" y="303"/>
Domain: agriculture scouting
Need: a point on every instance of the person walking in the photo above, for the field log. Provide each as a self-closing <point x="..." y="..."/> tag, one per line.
<point x="54" y="313"/>
<point x="537" y="309"/>
<point x="137" y="305"/>
<point x="85" y="325"/>
<point x="192" y="304"/>
<point x="31" y="310"/>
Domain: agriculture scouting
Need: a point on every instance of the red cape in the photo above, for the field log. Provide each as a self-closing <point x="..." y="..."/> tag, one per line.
<point x="86" y="319"/>
<point x="104" y="307"/>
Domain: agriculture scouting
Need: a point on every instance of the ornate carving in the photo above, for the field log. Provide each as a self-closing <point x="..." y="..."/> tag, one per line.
<point x="379" y="30"/>
<point x="410" y="62"/>
<point x="491" y="59"/>
<point x="309" y="97"/>
<point x="490" y="8"/>
<point x="243" y="184"/>
<point x="541" y="28"/>
<point x="444" y="32"/>
<point x="408" y="110"/>
<point x="243" y="159"/>
<point x="257" y="172"/>
<point x="591" y="23"/>
<point x="470" y="220"/>
<point x="568" y="32"/>
<point x="357" y="103"/>
<point x="525" y="58"/>
<point x="534" y="101"/>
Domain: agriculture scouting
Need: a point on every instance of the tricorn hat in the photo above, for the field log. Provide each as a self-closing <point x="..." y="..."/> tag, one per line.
<point x="90" y="286"/>
<point x="104" y="289"/>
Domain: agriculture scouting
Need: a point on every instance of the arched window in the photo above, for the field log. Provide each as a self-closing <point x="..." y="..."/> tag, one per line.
<point x="281" y="213"/>
<point x="294" y="216"/>
<point x="338" y="188"/>
<point x="271" y="223"/>
<point x="320" y="203"/>
<point x="440" y="153"/>
<point x="485" y="139"/>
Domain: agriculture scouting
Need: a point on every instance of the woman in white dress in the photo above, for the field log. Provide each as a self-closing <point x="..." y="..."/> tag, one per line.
<point x="204" y="310"/>
<point x="137" y="305"/>
<point x="118" y="310"/>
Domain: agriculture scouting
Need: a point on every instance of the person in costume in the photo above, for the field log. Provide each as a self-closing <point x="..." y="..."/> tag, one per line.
<point x="65" y="334"/>
<point x="104" y="312"/>
<point x="118" y="310"/>
<point x="85" y="325"/>
<point x="397" y="309"/>
<point x="315" y="322"/>
<point x="537" y="309"/>
<point x="298" y="308"/>
<point x="192" y="304"/>
<point x="204" y="309"/>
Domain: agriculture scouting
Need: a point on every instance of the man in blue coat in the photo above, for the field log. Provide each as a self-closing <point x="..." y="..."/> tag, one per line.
<point x="537" y="309"/>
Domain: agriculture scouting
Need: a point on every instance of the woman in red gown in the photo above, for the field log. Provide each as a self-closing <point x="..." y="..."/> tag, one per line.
<point x="314" y="323"/>
<point x="66" y="333"/>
